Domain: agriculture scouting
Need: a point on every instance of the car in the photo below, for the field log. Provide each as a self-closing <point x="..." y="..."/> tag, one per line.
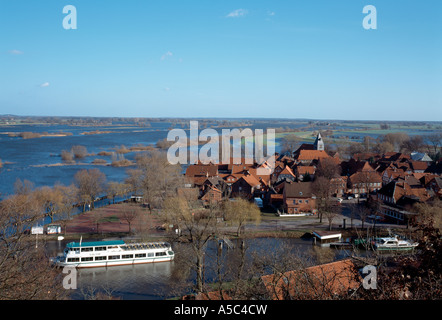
<point x="340" y="200"/>
<point x="349" y="198"/>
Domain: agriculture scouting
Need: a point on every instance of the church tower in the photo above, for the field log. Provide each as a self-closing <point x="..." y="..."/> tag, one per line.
<point x="319" y="143"/>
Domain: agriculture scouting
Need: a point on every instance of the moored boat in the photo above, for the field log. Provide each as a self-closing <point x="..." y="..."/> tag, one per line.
<point x="113" y="253"/>
<point x="393" y="243"/>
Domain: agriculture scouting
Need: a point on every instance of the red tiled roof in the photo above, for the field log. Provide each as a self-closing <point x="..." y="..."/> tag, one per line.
<point x="305" y="169"/>
<point x="419" y="165"/>
<point x="318" y="282"/>
<point x="288" y="171"/>
<point x="366" y="177"/>
<point x="201" y="170"/>
<point x="312" y="155"/>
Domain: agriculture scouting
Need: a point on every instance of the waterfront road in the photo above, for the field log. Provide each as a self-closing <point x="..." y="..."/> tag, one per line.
<point x="271" y="222"/>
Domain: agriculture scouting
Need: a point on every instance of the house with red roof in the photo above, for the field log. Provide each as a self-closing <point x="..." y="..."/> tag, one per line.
<point x="298" y="198"/>
<point x="321" y="282"/>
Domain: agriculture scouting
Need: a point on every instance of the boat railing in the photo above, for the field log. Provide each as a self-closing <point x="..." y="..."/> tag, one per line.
<point x="144" y="246"/>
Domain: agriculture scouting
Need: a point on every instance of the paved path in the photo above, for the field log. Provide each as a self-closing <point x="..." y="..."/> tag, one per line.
<point x="313" y="222"/>
<point x="113" y="222"/>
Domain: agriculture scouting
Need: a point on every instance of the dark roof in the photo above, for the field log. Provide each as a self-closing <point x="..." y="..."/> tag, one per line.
<point x="298" y="190"/>
<point x="435" y="168"/>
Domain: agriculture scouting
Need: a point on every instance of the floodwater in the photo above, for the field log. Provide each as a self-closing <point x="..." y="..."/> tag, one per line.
<point x="38" y="160"/>
<point x="156" y="281"/>
<point x="28" y="158"/>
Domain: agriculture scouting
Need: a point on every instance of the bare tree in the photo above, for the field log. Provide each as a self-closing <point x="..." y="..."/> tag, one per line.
<point x="115" y="189"/>
<point x="331" y="212"/>
<point x="155" y="177"/>
<point x="383" y="147"/>
<point x="196" y="226"/>
<point x="435" y="141"/>
<point x="23" y="187"/>
<point x="396" y="139"/>
<point x="414" y="143"/>
<point x="328" y="168"/>
<point x="57" y="199"/>
<point x="322" y="187"/>
<point x="361" y="211"/>
<point x="289" y="143"/>
<point x="90" y="183"/>
<point x="239" y="211"/>
<point x="130" y="214"/>
<point x="26" y="272"/>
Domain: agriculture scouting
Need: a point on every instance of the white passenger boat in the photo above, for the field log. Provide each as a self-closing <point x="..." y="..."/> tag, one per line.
<point x="393" y="243"/>
<point x="113" y="253"/>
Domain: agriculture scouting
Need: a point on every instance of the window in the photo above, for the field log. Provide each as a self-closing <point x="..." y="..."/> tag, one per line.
<point x="127" y="256"/>
<point x="306" y="201"/>
<point x="150" y="254"/>
<point x="160" y="254"/>
<point x="300" y="201"/>
<point x="87" y="259"/>
<point x="100" y="258"/>
<point x="73" y="259"/>
<point x="87" y="249"/>
<point x="140" y="255"/>
<point x="114" y="257"/>
<point x="100" y="249"/>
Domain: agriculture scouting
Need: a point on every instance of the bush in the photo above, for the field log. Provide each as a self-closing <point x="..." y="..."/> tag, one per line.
<point x="79" y="151"/>
<point x="105" y="153"/>
<point x="99" y="161"/>
<point x="29" y="135"/>
<point x="67" y="156"/>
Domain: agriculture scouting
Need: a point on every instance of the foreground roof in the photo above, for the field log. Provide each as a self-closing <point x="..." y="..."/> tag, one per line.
<point x="318" y="282"/>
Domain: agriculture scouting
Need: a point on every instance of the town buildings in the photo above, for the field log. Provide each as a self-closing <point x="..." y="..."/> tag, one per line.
<point x="394" y="181"/>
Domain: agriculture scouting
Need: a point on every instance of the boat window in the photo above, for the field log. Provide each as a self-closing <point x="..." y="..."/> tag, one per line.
<point x="112" y="247"/>
<point x="87" y="259"/>
<point x="73" y="259"/>
<point x="87" y="249"/>
<point x="140" y="255"/>
<point x="100" y="249"/>
<point x="114" y="257"/>
<point x="150" y="254"/>
<point x="170" y="253"/>
<point x="127" y="256"/>
<point x="100" y="258"/>
<point x="159" y="254"/>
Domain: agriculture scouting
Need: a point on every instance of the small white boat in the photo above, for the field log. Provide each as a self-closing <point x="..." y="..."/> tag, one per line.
<point x="113" y="253"/>
<point x="393" y="243"/>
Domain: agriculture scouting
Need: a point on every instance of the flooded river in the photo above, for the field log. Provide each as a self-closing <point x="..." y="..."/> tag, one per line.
<point x="157" y="281"/>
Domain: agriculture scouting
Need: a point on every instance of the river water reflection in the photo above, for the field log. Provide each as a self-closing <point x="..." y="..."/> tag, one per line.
<point x="157" y="282"/>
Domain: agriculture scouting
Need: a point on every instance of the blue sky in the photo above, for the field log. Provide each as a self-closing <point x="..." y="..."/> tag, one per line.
<point x="281" y="59"/>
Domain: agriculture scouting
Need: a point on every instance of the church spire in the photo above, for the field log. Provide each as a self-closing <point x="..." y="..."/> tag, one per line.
<point x="319" y="143"/>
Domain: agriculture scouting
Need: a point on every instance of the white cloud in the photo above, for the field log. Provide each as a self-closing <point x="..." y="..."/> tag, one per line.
<point x="15" y="52"/>
<point x="166" y="55"/>
<point x="237" y="13"/>
<point x="44" y="85"/>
